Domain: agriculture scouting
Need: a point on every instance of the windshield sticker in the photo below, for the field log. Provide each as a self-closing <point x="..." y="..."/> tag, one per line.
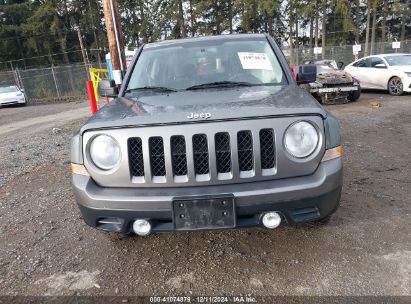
<point x="255" y="61"/>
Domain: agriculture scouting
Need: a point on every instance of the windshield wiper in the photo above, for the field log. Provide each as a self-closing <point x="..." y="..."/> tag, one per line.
<point x="221" y="84"/>
<point x="227" y="84"/>
<point x="160" y="89"/>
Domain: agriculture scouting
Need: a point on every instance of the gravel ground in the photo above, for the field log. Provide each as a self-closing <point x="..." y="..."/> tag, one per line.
<point x="46" y="249"/>
<point x="12" y="114"/>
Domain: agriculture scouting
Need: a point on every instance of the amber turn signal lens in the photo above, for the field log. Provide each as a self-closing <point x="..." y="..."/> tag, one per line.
<point x="333" y="153"/>
<point x="78" y="169"/>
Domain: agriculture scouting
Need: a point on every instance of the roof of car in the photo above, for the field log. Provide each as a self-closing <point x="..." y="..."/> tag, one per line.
<point x="388" y="54"/>
<point x="204" y="38"/>
<point x="313" y="59"/>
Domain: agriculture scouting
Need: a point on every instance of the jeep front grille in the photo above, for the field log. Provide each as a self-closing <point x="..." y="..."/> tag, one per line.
<point x="202" y="157"/>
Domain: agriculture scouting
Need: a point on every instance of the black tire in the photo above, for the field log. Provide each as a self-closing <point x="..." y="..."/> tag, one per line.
<point x="395" y="86"/>
<point x="355" y="95"/>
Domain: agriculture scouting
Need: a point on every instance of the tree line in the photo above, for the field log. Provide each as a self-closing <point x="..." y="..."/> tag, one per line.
<point x="44" y="32"/>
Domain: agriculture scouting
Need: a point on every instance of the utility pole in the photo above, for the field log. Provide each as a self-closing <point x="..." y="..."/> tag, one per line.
<point x="83" y="51"/>
<point x="317" y="8"/>
<point x="115" y="39"/>
<point x="324" y="29"/>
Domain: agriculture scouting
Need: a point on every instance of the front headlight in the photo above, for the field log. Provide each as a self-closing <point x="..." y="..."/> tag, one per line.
<point x="301" y="139"/>
<point x="105" y="152"/>
<point x="408" y="74"/>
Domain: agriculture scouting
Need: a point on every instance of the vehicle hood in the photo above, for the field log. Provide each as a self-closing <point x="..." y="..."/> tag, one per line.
<point x="221" y="104"/>
<point x="335" y="77"/>
<point x="10" y="95"/>
<point x="403" y="68"/>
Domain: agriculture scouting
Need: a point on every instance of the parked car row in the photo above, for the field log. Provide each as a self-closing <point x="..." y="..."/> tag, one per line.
<point x="391" y="72"/>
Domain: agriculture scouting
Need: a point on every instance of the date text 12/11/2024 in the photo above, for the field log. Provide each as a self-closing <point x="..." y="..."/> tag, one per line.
<point x="204" y="299"/>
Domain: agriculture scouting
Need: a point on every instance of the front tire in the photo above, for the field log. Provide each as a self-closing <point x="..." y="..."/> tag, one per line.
<point x="355" y="95"/>
<point x="395" y="86"/>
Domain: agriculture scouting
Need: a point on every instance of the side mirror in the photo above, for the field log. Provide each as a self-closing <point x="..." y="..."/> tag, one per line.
<point x="306" y="73"/>
<point x="380" y="66"/>
<point x="340" y="65"/>
<point x="107" y="88"/>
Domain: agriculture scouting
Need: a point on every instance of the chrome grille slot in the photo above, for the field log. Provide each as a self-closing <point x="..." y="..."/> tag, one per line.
<point x="267" y="148"/>
<point x="135" y="156"/>
<point x="245" y="152"/>
<point x="223" y="152"/>
<point x="179" y="155"/>
<point x="158" y="166"/>
<point x="201" y="157"/>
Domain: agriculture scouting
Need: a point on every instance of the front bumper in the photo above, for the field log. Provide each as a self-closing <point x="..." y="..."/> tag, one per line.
<point x="298" y="200"/>
<point x="12" y="102"/>
<point x="407" y="84"/>
<point x="335" y="89"/>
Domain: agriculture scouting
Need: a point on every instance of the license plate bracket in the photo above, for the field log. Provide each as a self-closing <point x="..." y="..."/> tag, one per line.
<point x="204" y="213"/>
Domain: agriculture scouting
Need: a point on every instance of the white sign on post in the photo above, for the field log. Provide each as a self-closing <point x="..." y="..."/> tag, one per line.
<point x="396" y="45"/>
<point x="318" y="50"/>
<point x="356" y="48"/>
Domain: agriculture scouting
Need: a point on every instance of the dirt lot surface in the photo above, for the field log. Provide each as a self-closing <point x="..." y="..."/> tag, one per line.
<point x="40" y="117"/>
<point x="46" y="249"/>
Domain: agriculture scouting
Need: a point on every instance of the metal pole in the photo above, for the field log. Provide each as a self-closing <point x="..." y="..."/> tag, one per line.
<point x="16" y="78"/>
<point x="55" y="81"/>
<point x="83" y="52"/>
<point x="19" y="79"/>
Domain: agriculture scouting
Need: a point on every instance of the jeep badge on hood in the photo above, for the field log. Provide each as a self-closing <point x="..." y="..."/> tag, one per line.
<point x="199" y="116"/>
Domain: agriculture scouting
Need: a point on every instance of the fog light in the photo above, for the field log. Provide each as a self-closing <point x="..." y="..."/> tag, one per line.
<point x="142" y="227"/>
<point x="271" y="220"/>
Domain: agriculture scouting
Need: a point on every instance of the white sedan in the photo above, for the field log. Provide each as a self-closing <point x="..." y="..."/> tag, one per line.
<point x="390" y="72"/>
<point x="12" y="95"/>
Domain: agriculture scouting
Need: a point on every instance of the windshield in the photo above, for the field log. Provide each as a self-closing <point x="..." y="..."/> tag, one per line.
<point x="326" y="62"/>
<point x="324" y="69"/>
<point x="8" y="89"/>
<point x="398" y="60"/>
<point x="179" y="67"/>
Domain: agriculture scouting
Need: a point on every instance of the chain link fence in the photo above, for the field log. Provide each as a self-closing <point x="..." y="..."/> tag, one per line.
<point x="342" y="53"/>
<point x="49" y="84"/>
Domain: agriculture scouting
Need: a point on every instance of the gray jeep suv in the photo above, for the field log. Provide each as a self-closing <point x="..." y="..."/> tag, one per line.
<point x="207" y="133"/>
